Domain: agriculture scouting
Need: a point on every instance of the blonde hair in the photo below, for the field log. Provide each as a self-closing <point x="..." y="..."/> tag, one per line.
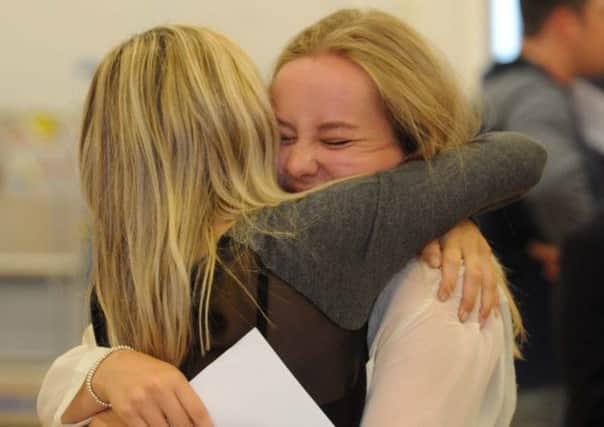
<point x="427" y="109"/>
<point x="178" y="137"/>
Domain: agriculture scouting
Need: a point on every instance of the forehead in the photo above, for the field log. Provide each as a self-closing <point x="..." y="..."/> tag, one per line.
<point x="592" y="7"/>
<point x="322" y="84"/>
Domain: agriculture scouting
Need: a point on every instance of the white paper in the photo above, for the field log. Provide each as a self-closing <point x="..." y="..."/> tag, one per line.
<point x="249" y="386"/>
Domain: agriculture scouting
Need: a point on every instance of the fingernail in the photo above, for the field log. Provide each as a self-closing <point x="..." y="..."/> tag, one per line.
<point x="434" y="262"/>
<point x="463" y="316"/>
<point x="496" y="312"/>
<point x="483" y="322"/>
<point x="443" y="295"/>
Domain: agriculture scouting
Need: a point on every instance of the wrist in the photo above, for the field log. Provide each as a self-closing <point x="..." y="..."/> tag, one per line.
<point x="99" y="375"/>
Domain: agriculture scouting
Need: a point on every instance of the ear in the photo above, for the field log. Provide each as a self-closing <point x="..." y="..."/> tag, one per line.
<point x="566" y="22"/>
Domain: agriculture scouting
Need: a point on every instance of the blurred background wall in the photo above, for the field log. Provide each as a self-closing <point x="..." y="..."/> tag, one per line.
<point x="50" y="47"/>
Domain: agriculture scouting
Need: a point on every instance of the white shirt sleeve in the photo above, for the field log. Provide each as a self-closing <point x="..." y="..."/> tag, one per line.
<point x="65" y="378"/>
<point x="428" y="369"/>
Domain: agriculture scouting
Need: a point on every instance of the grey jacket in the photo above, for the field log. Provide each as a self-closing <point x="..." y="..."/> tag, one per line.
<point x="521" y="97"/>
<point x="351" y="238"/>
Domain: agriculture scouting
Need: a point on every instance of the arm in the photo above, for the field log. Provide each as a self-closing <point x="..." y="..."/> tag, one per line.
<point x="143" y="390"/>
<point x="352" y="237"/>
<point x="427" y="369"/>
<point x="562" y="199"/>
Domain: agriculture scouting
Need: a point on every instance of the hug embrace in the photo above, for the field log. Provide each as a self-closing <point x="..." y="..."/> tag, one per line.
<point x="218" y="206"/>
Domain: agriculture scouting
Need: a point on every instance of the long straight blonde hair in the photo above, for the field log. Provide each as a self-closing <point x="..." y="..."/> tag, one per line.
<point x="421" y="96"/>
<point x="178" y="138"/>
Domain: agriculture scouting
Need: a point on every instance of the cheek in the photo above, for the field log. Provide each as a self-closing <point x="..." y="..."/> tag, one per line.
<point x="379" y="164"/>
<point x="360" y="161"/>
<point x="337" y="164"/>
<point x="282" y="155"/>
<point x="381" y="160"/>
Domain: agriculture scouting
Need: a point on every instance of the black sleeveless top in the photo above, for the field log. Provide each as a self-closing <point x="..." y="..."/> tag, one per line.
<point x="318" y="285"/>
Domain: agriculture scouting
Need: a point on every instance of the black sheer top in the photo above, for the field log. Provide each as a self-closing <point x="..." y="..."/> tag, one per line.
<point x="327" y="360"/>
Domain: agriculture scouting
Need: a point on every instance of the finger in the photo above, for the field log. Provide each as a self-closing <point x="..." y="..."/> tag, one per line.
<point x="153" y="416"/>
<point x="174" y="411"/>
<point x="432" y="254"/>
<point x="128" y="415"/>
<point x="194" y="407"/>
<point x="141" y="411"/>
<point x="130" y="421"/>
<point x="472" y="282"/>
<point x="149" y="403"/>
<point x="489" y="296"/>
<point x="450" y="271"/>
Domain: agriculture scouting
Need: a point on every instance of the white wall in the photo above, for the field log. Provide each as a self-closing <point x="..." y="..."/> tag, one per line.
<point x="48" y="46"/>
<point x="458" y="28"/>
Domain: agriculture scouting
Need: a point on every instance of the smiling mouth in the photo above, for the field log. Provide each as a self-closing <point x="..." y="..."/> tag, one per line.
<point x="293" y="187"/>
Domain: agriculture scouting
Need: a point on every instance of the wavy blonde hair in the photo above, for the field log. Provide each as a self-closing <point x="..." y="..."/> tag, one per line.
<point x="178" y="137"/>
<point x="424" y="103"/>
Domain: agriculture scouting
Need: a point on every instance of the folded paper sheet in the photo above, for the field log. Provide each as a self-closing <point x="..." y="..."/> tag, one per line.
<point x="249" y="385"/>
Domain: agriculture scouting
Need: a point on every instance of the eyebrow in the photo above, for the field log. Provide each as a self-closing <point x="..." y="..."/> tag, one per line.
<point x="286" y="124"/>
<point x="323" y="127"/>
<point x="337" y="125"/>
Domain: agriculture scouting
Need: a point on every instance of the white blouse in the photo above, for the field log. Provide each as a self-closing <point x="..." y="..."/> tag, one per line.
<point x="65" y="378"/>
<point x="425" y="369"/>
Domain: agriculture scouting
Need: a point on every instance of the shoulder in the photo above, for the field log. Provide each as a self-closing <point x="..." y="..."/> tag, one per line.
<point x="525" y="92"/>
<point x="405" y="299"/>
<point x="521" y="79"/>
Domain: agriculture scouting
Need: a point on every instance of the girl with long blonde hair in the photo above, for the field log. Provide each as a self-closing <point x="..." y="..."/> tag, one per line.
<point x="195" y="243"/>
<point x="409" y="330"/>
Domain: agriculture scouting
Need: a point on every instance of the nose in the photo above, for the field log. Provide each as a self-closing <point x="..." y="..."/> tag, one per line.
<point x="299" y="160"/>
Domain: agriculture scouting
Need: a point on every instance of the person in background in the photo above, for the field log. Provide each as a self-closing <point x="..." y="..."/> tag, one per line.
<point x="563" y="40"/>
<point x="582" y="324"/>
<point x="588" y="105"/>
<point x="341" y="299"/>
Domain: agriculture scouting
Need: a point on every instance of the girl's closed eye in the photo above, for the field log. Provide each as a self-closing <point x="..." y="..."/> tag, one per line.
<point x="287" y="139"/>
<point x="336" y="142"/>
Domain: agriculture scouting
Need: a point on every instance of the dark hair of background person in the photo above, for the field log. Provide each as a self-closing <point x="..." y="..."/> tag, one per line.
<point x="536" y="12"/>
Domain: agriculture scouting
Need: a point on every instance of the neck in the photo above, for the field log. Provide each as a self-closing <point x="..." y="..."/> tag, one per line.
<point x="552" y="56"/>
<point x="222" y="227"/>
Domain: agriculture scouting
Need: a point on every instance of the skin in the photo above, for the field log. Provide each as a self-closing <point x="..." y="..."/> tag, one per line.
<point x="589" y="39"/>
<point x="333" y="125"/>
<point x="107" y="419"/>
<point x="570" y="43"/>
<point x="144" y="391"/>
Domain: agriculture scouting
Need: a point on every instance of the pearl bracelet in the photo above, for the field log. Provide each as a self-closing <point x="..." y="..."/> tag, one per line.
<point x="93" y="371"/>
